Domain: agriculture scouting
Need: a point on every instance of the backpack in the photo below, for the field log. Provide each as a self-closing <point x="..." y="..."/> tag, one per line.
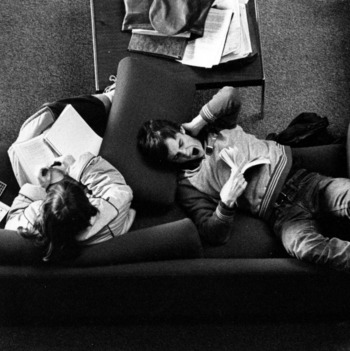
<point x="307" y="129"/>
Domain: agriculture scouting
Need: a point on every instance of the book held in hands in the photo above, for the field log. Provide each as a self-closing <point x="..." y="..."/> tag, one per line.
<point x="237" y="162"/>
<point x="69" y="135"/>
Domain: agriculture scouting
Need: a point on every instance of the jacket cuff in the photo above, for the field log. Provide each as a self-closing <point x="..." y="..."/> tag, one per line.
<point x="33" y="192"/>
<point x="77" y="168"/>
<point x="207" y="115"/>
<point x="225" y="213"/>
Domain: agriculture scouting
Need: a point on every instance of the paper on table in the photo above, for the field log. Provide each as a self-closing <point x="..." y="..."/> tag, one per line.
<point x="233" y="40"/>
<point x="246" y="47"/>
<point x="207" y="50"/>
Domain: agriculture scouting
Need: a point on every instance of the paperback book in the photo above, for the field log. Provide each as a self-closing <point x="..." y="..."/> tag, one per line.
<point x="237" y="162"/>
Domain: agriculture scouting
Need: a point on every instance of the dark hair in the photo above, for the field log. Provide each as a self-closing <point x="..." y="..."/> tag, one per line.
<point x="151" y="138"/>
<point x="65" y="212"/>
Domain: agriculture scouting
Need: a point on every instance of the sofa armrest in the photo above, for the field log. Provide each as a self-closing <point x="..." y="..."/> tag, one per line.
<point x="170" y="241"/>
<point x="16" y="250"/>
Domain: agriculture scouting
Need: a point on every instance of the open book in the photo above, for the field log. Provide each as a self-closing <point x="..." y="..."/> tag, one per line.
<point x="238" y="162"/>
<point x="69" y="135"/>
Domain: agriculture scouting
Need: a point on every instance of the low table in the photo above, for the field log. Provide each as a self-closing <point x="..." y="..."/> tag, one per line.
<point x="110" y="46"/>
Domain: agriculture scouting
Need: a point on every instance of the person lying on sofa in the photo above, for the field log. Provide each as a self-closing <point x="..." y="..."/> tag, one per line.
<point x="78" y="202"/>
<point x="290" y="199"/>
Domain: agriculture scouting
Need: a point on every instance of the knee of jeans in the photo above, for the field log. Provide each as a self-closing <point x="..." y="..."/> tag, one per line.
<point x="301" y="244"/>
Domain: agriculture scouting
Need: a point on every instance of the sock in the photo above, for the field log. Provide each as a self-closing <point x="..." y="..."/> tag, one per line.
<point x="110" y="94"/>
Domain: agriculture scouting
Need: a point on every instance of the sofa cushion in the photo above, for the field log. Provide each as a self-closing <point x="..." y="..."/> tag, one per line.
<point x="250" y="238"/>
<point x="144" y="92"/>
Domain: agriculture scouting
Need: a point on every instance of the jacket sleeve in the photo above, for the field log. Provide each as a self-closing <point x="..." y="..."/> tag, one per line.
<point x="213" y="220"/>
<point x="105" y="181"/>
<point x="223" y="109"/>
<point x="98" y="175"/>
<point x="25" y="207"/>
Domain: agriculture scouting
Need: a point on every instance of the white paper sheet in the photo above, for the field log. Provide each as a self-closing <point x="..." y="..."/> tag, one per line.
<point x="207" y="50"/>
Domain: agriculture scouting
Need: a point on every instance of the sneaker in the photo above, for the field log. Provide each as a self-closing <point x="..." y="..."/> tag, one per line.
<point x="112" y="86"/>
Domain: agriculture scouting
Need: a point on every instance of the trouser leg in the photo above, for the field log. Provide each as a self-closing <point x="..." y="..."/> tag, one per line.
<point x="303" y="239"/>
<point x="297" y="220"/>
<point x="333" y="197"/>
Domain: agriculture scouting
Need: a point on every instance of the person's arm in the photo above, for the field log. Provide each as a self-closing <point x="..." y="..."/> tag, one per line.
<point x="105" y="181"/>
<point x="24" y="209"/>
<point x="221" y="111"/>
<point x="213" y="220"/>
<point x="98" y="175"/>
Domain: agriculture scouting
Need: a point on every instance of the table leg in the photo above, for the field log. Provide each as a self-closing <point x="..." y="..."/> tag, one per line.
<point x="262" y="99"/>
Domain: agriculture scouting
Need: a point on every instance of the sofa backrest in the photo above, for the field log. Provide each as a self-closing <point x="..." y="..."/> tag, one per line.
<point x="144" y="92"/>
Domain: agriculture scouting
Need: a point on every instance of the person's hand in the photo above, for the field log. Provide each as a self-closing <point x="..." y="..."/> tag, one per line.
<point x="233" y="188"/>
<point x="195" y="126"/>
<point x="44" y="177"/>
<point x="63" y="162"/>
<point x="54" y="172"/>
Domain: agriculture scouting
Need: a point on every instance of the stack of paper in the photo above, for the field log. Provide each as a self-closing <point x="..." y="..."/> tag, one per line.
<point x="226" y="36"/>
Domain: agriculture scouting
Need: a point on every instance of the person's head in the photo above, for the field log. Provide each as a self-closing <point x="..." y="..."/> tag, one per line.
<point x="65" y="212"/>
<point x="167" y="141"/>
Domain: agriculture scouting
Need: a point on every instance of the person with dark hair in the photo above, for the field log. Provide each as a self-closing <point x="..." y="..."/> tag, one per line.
<point x="290" y="198"/>
<point x="76" y="202"/>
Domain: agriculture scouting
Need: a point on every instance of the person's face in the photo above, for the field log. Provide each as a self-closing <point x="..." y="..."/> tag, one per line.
<point x="183" y="148"/>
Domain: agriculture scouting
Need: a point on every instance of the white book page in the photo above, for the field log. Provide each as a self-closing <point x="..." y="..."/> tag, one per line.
<point x="32" y="155"/>
<point x="71" y="135"/>
<point x="237" y="162"/>
<point x="207" y="50"/>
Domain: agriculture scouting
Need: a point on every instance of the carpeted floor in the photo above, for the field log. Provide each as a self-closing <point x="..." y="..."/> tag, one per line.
<point x="46" y="54"/>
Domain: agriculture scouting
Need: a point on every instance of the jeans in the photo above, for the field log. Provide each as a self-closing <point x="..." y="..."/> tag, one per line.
<point x="305" y="199"/>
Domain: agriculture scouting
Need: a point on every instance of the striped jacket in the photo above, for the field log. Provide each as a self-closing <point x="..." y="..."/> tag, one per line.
<point x="199" y="188"/>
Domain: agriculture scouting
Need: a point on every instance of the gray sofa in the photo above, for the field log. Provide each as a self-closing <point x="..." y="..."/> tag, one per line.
<point x="161" y="270"/>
